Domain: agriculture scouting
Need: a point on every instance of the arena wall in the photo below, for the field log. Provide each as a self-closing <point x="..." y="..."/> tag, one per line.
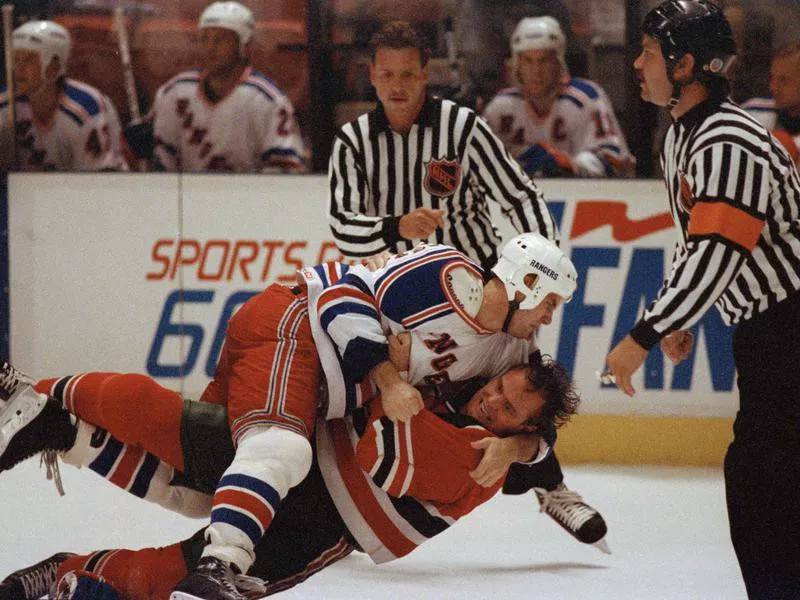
<point x="134" y="272"/>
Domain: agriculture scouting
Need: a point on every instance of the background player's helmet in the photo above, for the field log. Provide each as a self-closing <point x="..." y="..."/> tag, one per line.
<point x="538" y="33"/>
<point x="48" y="39"/>
<point x="229" y="15"/>
<point x="532" y="254"/>
<point x="696" y="27"/>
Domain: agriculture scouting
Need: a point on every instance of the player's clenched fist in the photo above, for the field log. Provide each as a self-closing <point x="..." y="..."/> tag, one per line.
<point x="420" y="223"/>
<point x="401" y="401"/>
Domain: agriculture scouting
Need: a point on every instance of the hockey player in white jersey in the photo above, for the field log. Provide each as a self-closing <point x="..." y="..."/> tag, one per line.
<point x="61" y="124"/>
<point x="225" y="117"/>
<point x="553" y="124"/>
<point x="781" y="113"/>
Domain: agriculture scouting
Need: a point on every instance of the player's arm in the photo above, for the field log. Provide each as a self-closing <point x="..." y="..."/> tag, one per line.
<point x="503" y="179"/>
<point x="426" y="458"/>
<point x="349" y="314"/>
<point x="601" y="149"/>
<point x="281" y="144"/>
<point x="96" y="151"/>
<point x="500" y="453"/>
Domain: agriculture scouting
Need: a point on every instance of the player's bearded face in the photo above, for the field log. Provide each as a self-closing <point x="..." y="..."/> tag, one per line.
<point x="400" y="81"/>
<point x="28" y="74"/>
<point x="540" y="73"/>
<point x="651" y="69"/>
<point x="506" y="403"/>
<point x="220" y="50"/>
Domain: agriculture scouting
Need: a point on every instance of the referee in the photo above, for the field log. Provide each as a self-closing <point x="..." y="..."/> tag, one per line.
<point x="422" y="168"/>
<point x="735" y="197"/>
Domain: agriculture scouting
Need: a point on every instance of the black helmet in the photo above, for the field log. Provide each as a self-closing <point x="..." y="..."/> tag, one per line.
<point x="696" y="27"/>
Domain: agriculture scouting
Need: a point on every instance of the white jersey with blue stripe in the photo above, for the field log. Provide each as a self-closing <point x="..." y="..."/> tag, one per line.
<point x="581" y="123"/>
<point x="352" y="311"/>
<point x="251" y="129"/>
<point x="82" y="134"/>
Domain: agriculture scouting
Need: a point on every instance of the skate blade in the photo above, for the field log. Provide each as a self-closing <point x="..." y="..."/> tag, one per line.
<point x="183" y="596"/>
<point x="20" y="410"/>
<point x="602" y="545"/>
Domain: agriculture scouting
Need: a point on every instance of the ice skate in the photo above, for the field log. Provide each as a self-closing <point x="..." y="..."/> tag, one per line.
<point x="568" y="509"/>
<point x="19" y="406"/>
<point x="31" y="423"/>
<point x="212" y="580"/>
<point x="31" y="583"/>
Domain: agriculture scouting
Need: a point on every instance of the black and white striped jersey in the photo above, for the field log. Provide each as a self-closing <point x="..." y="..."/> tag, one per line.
<point x="734" y="194"/>
<point x="451" y="160"/>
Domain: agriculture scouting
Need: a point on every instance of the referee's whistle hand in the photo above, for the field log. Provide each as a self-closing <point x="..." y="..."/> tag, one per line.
<point x="420" y="223"/>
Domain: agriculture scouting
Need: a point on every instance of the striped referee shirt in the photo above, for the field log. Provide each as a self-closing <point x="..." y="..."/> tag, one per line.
<point x="451" y="160"/>
<point x="734" y="194"/>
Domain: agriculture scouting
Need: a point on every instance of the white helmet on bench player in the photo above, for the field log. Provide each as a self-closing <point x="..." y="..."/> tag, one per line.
<point x="229" y="15"/>
<point x="532" y="254"/>
<point x="538" y="33"/>
<point x="48" y="39"/>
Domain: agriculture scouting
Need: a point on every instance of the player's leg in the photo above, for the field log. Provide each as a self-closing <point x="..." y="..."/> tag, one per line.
<point x="54" y="430"/>
<point x="133" y="407"/>
<point x="273" y="377"/>
<point x="147" y="574"/>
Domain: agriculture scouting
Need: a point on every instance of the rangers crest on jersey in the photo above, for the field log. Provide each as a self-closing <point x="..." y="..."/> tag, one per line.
<point x="442" y="177"/>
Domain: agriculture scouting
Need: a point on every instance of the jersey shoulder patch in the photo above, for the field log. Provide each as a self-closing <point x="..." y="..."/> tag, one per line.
<point x="464" y="287"/>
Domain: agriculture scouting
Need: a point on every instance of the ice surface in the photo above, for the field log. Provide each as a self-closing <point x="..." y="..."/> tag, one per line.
<point x="667" y="531"/>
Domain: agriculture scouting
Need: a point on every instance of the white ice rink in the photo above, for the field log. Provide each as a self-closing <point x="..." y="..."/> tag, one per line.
<point x="667" y="531"/>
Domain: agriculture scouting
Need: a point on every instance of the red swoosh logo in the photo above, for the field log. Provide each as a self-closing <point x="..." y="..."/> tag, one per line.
<point x="593" y="214"/>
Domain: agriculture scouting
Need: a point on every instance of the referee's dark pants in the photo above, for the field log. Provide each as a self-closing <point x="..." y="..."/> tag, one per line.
<point x="762" y="466"/>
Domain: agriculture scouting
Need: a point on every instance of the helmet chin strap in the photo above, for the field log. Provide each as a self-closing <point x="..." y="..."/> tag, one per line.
<point x="676" y="95"/>
<point x="513" y="306"/>
<point x="676" y="87"/>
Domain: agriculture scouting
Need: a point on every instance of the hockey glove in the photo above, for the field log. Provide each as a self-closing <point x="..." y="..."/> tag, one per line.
<point x="545" y="160"/>
<point x="139" y="138"/>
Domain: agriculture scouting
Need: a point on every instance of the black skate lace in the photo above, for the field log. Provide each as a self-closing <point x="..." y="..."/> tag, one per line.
<point x="9" y="378"/>
<point x="218" y="571"/>
<point x="566" y="506"/>
<point x="37" y="582"/>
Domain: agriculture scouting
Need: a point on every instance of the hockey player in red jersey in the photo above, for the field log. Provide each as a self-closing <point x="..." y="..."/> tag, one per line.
<point x="364" y="490"/>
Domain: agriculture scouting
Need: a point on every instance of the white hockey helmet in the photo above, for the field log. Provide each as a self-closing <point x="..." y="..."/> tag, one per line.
<point x="229" y="15"/>
<point x="48" y="39"/>
<point x="532" y="254"/>
<point x="538" y="33"/>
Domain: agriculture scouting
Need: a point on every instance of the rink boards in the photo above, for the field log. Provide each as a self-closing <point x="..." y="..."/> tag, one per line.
<point x="140" y="272"/>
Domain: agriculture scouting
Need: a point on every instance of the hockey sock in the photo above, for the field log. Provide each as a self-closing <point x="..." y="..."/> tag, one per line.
<point x="148" y="574"/>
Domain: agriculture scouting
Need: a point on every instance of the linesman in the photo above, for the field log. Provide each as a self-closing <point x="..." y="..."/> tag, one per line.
<point x="734" y="194"/>
<point x="422" y="168"/>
